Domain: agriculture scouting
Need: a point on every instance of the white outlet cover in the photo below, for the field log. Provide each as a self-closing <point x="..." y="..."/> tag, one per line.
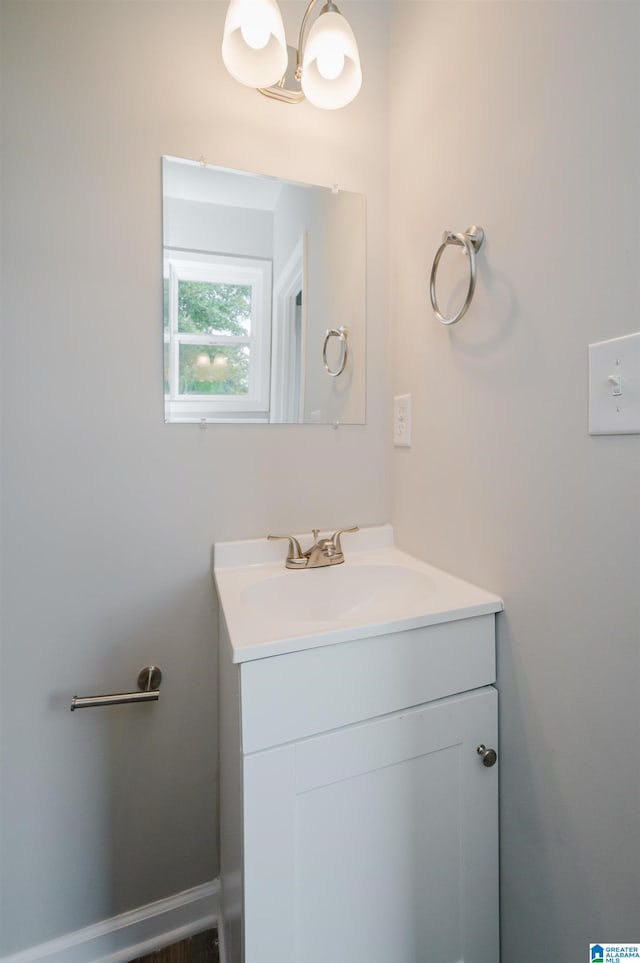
<point x="402" y="421"/>
<point x="614" y="386"/>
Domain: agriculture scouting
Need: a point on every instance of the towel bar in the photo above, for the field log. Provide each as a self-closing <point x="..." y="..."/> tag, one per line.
<point x="149" y="680"/>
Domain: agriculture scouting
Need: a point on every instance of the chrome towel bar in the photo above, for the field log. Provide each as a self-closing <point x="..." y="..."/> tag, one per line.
<point x="149" y="680"/>
<point x="471" y="240"/>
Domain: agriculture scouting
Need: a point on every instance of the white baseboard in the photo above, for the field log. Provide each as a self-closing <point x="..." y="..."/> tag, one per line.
<point x="130" y="935"/>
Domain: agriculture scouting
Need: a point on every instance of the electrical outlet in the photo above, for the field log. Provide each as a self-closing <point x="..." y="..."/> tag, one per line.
<point x="402" y="421"/>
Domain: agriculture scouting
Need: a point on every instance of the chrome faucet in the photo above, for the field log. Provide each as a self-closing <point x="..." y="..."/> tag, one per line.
<point x="326" y="551"/>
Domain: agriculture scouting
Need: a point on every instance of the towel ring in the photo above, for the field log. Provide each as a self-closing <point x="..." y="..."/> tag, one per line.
<point x="471" y="240"/>
<point x="340" y="333"/>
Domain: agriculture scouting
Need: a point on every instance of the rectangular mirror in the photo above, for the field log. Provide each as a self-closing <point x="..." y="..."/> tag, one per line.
<point x="264" y="298"/>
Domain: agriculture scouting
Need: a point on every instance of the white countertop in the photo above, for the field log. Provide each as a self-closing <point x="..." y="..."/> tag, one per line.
<point x="270" y="610"/>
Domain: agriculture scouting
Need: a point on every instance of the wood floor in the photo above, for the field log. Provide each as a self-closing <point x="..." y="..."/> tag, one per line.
<point x="202" y="948"/>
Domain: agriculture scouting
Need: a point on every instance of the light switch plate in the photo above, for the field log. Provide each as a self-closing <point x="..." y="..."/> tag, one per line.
<point x="614" y="386"/>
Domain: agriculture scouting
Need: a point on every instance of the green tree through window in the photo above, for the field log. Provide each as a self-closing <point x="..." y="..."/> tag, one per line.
<point x="214" y="308"/>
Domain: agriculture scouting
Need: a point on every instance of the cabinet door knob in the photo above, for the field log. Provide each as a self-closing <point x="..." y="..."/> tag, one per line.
<point x="489" y="756"/>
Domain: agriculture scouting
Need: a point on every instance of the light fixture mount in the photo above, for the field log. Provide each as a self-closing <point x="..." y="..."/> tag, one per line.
<point x="288" y="89"/>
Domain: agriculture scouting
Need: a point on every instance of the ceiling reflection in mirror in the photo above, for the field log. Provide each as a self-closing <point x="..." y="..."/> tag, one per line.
<point x="264" y="298"/>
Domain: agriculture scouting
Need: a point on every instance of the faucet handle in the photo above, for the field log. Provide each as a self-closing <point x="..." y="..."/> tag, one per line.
<point x="335" y="538"/>
<point x="295" y="552"/>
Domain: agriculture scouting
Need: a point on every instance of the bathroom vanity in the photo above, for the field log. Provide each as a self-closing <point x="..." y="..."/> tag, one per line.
<point x="359" y="795"/>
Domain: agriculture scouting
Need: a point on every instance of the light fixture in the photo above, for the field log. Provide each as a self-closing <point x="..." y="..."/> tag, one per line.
<point x="253" y="46"/>
<point x="325" y="68"/>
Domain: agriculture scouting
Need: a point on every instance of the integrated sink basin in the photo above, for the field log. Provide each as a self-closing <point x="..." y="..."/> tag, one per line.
<point x="337" y="593"/>
<point x="270" y="610"/>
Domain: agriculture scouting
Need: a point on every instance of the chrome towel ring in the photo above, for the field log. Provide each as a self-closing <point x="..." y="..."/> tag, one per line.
<point x="340" y="333"/>
<point x="471" y="240"/>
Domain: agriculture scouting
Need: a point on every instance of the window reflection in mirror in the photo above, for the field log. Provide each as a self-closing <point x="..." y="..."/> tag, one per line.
<point x="256" y="271"/>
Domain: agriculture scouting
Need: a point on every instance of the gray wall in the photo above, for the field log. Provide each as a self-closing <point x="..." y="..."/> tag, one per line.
<point x="524" y="118"/>
<point x="217" y="228"/>
<point x="109" y="514"/>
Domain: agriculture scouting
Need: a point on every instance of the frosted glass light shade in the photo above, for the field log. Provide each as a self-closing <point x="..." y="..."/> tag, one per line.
<point x="254" y="49"/>
<point x="331" y="74"/>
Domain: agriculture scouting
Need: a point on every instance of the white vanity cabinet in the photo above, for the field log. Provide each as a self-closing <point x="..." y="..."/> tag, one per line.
<point x="359" y="822"/>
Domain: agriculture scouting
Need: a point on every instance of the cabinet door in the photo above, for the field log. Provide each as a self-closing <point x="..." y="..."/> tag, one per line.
<point x="377" y="843"/>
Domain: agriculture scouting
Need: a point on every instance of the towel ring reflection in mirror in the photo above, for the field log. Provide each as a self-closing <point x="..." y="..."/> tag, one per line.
<point x="471" y="241"/>
<point x="341" y="334"/>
